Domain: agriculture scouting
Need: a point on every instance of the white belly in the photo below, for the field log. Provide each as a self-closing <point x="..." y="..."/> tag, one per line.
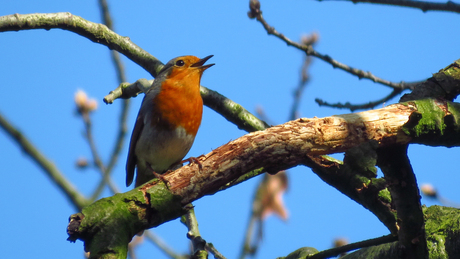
<point x="168" y="149"/>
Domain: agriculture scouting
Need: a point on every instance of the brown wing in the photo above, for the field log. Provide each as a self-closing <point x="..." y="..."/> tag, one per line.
<point x="132" y="159"/>
<point x="145" y="110"/>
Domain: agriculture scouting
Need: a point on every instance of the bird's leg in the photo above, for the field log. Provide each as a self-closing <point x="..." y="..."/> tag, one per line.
<point x="159" y="176"/>
<point x="194" y="160"/>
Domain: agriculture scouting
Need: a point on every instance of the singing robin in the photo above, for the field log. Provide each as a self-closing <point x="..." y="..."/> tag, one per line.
<point x="168" y="119"/>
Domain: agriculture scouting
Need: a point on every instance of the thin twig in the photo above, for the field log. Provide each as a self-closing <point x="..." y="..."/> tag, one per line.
<point x="304" y="76"/>
<point x="96" y="157"/>
<point x="210" y="247"/>
<point x="353" y="246"/>
<point x="308" y="49"/>
<point x="354" y="107"/>
<point x="248" y="247"/>
<point x="254" y="230"/>
<point x="157" y="241"/>
<point x="200" y="246"/>
<point x="198" y="243"/>
<point x="294" y="114"/>
<point x="122" y="127"/>
<point x="121" y="75"/>
<point x="74" y="196"/>
<point x="92" y="145"/>
<point x="448" y="6"/>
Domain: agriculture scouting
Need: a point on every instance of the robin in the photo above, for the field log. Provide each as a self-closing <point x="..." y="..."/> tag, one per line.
<point x="168" y="120"/>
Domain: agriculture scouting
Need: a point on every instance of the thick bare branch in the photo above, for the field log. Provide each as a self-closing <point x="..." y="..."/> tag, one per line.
<point x="281" y="147"/>
<point x="277" y="148"/>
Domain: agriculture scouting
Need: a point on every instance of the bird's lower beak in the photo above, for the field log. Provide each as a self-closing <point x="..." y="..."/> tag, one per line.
<point x="201" y="62"/>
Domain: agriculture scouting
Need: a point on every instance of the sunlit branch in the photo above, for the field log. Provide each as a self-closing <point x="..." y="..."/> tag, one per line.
<point x="95" y="32"/>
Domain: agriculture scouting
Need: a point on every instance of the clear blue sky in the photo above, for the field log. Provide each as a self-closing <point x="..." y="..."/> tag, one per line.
<point x="41" y="70"/>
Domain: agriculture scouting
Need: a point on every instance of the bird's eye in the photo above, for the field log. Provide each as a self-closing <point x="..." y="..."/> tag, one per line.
<point x="180" y="63"/>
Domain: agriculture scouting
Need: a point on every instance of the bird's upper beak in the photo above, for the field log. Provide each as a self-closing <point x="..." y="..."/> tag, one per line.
<point x="201" y="62"/>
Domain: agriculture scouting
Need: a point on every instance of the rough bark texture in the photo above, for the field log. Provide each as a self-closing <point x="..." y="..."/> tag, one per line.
<point x="280" y="147"/>
<point x="405" y="196"/>
<point x="288" y="145"/>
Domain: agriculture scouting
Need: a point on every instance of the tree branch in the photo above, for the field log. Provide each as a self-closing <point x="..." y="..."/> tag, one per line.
<point x="346" y="248"/>
<point x="370" y="192"/>
<point x="355" y="107"/>
<point x="158" y="242"/>
<point x="277" y="148"/>
<point x="198" y="243"/>
<point x="74" y="196"/>
<point x="309" y="40"/>
<point x="122" y="127"/>
<point x="230" y="110"/>
<point x="95" y="32"/>
<point x="444" y="84"/>
<point x="255" y="12"/>
<point x="405" y="195"/>
<point x="448" y="6"/>
<point x="96" y="157"/>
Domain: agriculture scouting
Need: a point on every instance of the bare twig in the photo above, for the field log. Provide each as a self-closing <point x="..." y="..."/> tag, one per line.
<point x="157" y="241"/>
<point x="267" y="200"/>
<point x="353" y="246"/>
<point x="121" y="75"/>
<point x="210" y="247"/>
<point x="255" y="12"/>
<point x="92" y="145"/>
<point x="448" y="6"/>
<point x="304" y="76"/>
<point x="354" y="107"/>
<point x="430" y="192"/>
<point x="135" y="242"/>
<point x="249" y="245"/>
<point x="122" y="127"/>
<point x="72" y="194"/>
<point x="127" y="90"/>
<point x="200" y="246"/>
<point x="96" y="157"/>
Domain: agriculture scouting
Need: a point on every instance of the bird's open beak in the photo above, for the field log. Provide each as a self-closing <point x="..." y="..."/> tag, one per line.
<point x="201" y="62"/>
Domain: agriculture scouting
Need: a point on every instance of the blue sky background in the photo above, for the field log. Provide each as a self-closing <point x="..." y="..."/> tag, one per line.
<point x="41" y="70"/>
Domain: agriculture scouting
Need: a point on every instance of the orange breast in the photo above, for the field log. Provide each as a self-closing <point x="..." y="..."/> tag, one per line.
<point x="178" y="103"/>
